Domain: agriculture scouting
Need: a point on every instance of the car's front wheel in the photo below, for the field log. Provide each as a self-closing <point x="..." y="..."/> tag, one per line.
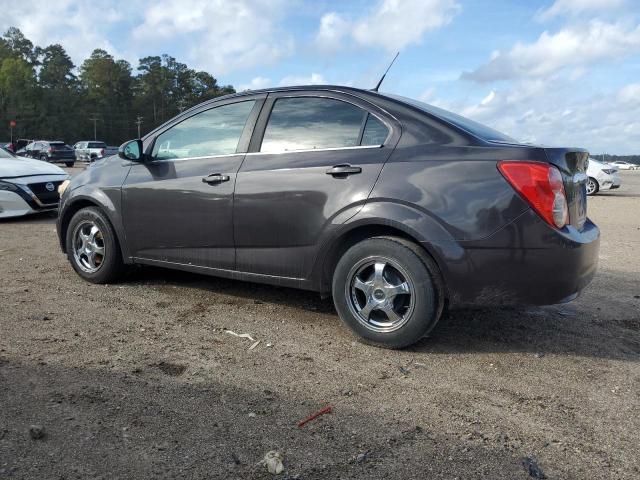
<point x="592" y="186"/>
<point x="92" y="246"/>
<point x="388" y="291"/>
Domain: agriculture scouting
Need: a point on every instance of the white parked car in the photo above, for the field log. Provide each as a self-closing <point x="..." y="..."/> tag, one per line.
<point x="622" y="165"/>
<point x="28" y="185"/>
<point x="602" y="176"/>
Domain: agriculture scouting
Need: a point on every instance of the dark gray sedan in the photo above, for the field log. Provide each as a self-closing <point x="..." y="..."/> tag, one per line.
<point x="394" y="207"/>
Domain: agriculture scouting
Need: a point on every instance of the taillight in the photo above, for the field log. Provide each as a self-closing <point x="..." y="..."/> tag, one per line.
<point x="541" y="185"/>
<point x="51" y="150"/>
<point x="102" y="152"/>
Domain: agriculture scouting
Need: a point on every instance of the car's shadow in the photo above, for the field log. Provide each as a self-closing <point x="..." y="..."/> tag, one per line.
<point x="559" y="330"/>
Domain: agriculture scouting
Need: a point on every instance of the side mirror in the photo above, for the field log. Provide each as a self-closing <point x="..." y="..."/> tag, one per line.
<point x="131" y="150"/>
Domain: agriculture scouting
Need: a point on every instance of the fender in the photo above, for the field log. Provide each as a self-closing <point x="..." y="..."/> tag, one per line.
<point x="413" y="222"/>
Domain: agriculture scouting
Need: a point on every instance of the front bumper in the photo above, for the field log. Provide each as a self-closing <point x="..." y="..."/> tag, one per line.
<point x="13" y="204"/>
<point x="525" y="263"/>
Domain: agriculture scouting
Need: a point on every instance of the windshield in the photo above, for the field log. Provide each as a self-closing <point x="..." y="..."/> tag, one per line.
<point x="475" y="128"/>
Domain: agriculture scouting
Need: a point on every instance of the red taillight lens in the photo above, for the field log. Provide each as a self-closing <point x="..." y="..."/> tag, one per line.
<point x="541" y="185"/>
<point x="102" y="152"/>
<point x="51" y="150"/>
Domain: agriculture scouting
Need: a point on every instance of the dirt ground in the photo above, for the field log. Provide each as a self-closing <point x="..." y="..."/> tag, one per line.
<point x="140" y="379"/>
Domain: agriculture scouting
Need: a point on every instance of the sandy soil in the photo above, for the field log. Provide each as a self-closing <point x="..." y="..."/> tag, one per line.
<point x="140" y="379"/>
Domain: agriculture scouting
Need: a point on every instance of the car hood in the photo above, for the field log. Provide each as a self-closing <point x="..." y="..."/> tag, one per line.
<point x="22" y="167"/>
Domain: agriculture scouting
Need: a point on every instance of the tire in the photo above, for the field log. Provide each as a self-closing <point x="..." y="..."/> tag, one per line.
<point x="102" y="267"/>
<point x="592" y="186"/>
<point x="394" y="305"/>
<point x="44" y="158"/>
<point x="69" y="164"/>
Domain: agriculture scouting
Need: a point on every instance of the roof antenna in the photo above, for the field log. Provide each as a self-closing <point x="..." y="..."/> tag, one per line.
<point x="385" y="74"/>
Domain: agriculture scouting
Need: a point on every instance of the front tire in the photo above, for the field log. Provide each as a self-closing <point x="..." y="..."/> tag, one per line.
<point x="92" y="246"/>
<point x="592" y="186"/>
<point x="388" y="291"/>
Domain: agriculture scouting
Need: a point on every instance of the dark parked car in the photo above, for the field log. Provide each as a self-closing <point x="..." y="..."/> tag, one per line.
<point x="394" y="207"/>
<point x="48" y="151"/>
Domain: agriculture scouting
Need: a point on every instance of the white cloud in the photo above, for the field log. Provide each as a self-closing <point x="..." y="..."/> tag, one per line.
<point x="256" y="83"/>
<point x="548" y="112"/>
<point x="570" y="47"/>
<point x="313" y="79"/>
<point x="222" y="36"/>
<point x="392" y="24"/>
<point x="577" y="7"/>
<point x="331" y="32"/>
<point x="73" y="24"/>
<point x="630" y="94"/>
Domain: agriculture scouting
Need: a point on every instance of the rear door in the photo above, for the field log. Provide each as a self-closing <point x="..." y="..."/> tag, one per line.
<point x="313" y="161"/>
<point x="178" y="205"/>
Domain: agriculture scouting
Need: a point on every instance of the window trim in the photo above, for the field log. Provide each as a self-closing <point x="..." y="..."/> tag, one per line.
<point x="265" y="115"/>
<point x="243" y="140"/>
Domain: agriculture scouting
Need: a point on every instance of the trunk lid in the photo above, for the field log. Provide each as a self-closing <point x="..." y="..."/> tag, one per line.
<point x="572" y="163"/>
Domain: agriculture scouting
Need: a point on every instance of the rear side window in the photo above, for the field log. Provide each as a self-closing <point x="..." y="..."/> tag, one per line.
<point x="213" y="132"/>
<point x="307" y="123"/>
<point x="375" y="132"/>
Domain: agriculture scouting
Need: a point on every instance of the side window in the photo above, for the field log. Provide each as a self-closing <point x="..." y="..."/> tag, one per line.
<point x="306" y="123"/>
<point x="375" y="132"/>
<point x="29" y="147"/>
<point x="213" y="132"/>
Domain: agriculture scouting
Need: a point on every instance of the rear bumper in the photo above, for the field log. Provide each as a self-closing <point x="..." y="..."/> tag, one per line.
<point x="525" y="263"/>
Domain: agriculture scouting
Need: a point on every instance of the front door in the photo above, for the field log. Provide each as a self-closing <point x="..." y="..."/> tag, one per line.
<point x="314" y="167"/>
<point x="178" y="205"/>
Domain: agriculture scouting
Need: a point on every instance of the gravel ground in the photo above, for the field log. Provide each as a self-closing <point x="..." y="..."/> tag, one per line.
<point x="140" y="379"/>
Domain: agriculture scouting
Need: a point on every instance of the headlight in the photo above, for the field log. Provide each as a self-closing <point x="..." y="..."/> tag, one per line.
<point x="62" y="187"/>
<point x="607" y="171"/>
<point x="8" y="186"/>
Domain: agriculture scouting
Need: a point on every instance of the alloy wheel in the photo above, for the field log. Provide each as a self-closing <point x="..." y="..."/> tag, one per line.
<point x="591" y="186"/>
<point x="380" y="293"/>
<point x="88" y="246"/>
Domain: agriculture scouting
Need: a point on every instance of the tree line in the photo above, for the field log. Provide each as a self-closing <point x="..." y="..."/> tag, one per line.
<point x="43" y="93"/>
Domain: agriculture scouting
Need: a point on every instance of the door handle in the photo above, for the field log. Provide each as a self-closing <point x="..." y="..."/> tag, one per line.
<point x="215" y="178"/>
<point x="343" y="170"/>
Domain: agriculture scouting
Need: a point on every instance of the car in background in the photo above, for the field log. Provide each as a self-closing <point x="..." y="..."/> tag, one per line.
<point x="50" y="151"/>
<point x="395" y="207"/>
<point x="602" y="176"/>
<point x="622" y="165"/>
<point x="28" y="185"/>
<point x="87" y="151"/>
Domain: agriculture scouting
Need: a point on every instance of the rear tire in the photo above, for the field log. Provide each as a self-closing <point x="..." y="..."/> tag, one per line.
<point x="44" y="158"/>
<point x="92" y="246"/>
<point x="69" y="164"/>
<point x="388" y="291"/>
<point x="592" y="186"/>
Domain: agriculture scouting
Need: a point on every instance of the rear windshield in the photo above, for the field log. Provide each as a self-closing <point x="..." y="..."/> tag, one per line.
<point x="97" y="145"/>
<point x="475" y="128"/>
<point x="58" y="144"/>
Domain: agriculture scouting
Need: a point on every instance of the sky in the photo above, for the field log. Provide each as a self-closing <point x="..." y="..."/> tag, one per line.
<point x="563" y="72"/>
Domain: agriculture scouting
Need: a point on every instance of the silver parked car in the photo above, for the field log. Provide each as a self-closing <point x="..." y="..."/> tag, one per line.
<point x="28" y="185"/>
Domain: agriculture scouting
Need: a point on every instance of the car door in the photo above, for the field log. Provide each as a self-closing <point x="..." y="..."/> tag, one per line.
<point x="177" y="206"/>
<point x="313" y="161"/>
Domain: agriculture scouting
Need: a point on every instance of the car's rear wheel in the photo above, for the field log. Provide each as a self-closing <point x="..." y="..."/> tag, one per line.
<point x="592" y="186"/>
<point x="92" y="246"/>
<point x="69" y="164"/>
<point x="44" y="158"/>
<point x="388" y="291"/>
